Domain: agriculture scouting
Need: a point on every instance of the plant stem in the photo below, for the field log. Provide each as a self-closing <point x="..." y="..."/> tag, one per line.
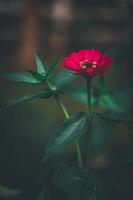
<point x="88" y="88"/>
<point x="63" y="108"/>
<point x="61" y="105"/>
<point x="78" y="154"/>
<point x="88" y="81"/>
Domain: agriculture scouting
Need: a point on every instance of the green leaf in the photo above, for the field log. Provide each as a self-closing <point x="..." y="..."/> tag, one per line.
<point x="115" y="117"/>
<point x="63" y="79"/>
<point x="54" y="65"/>
<point x="63" y="175"/>
<point x="37" y="76"/>
<point x="80" y="95"/>
<point x="67" y="134"/>
<point x="74" y="186"/>
<point x="118" y="100"/>
<point x="107" y="101"/>
<point x="67" y="179"/>
<point x="101" y="84"/>
<point x="27" y="97"/>
<point x="42" y="67"/>
<point x="20" y="77"/>
<point x="101" y="133"/>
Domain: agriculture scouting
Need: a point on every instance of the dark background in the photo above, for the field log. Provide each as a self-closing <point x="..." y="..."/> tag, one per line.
<point x="48" y="26"/>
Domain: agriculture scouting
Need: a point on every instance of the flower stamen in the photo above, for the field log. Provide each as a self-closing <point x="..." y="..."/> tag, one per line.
<point x="84" y="64"/>
<point x="94" y="64"/>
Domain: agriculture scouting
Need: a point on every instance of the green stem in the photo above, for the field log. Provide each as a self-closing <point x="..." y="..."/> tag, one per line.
<point x="88" y="88"/>
<point x="63" y="108"/>
<point x="88" y="81"/>
<point x="61" y="105"/>
<point x="79" y="154"/>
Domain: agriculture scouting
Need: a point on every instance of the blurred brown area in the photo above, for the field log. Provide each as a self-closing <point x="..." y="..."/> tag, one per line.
<point x="49" y="25"/>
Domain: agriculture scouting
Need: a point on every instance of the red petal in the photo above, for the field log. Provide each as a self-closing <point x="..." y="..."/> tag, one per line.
<point x="81" y="55"/>
<point x="106" y="61"/>
<point x="88" y="55"/>
<point x="97" y="56"/>
<point x="93" y="53"/>
<point x="69" y="63"/>
<point x="74" y="56"/>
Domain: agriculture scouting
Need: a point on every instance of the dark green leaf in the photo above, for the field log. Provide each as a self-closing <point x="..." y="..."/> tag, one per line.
<point x="109" y="102"/>
<point x="63" y="175"/>
<point x="67" y="134"/>
<point x="118" y="100"/>
<point x="37" y="76"/>
<point x="54" y="65"/>
<point x="67" y="179"/>
<point x="101" y="84"/>
<point x="114" y="117"/>
<point x="74" y="186"/>
<point x="63" y="79"/>
<point x="80" y="95"/>
<point x="20" y="77"/>
<point x="42" y="67"/>
<point x="27" y="97"/>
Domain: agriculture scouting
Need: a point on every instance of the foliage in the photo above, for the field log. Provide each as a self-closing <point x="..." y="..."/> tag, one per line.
<point x="57" y="172"/>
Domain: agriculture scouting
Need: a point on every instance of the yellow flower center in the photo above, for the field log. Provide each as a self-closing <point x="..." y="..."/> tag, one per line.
<point x="85" y="64"/>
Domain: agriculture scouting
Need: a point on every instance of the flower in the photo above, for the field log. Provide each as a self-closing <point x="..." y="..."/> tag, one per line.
<point x="91" y="62"/>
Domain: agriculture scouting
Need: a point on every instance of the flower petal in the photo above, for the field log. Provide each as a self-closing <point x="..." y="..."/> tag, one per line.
<point x="88" y="55"/>
<point x="93" y="57"/>
<point x="75" y="57"/>
<point x="106" y="61"/>
<point x="97" y="56"/>
<point x="93" y="53"/>
<point x="69" y="63"/>
<point x="81" y="55"/>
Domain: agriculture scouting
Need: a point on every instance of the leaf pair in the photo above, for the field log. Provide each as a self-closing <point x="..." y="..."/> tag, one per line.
<point x="43" y="74"/>
<point x="43" y="68"/>
<point x="67" y="134"/>
<point x="28" y="97"/>
<point x="100" y="131"/>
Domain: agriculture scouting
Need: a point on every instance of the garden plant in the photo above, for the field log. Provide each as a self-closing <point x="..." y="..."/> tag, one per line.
<point x="85" y="134"/>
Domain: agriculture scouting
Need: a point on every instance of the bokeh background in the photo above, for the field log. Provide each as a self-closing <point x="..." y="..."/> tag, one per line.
<point x="48" y="26"/>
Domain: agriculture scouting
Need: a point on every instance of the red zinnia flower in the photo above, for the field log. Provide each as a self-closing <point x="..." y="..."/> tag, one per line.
<point x="90" y="62"/>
